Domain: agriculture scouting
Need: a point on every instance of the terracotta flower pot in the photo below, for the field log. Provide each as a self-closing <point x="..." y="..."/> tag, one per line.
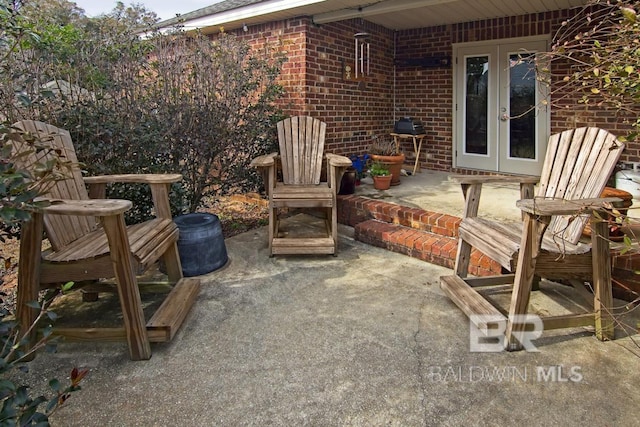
<point x="382" y="182"/>
<point x="617" y="231"/>
<point x="394" y="163"/>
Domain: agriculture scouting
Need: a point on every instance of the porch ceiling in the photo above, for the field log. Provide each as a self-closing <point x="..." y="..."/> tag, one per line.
<point x="407" y="14"/>
<point x="392" y="14"/>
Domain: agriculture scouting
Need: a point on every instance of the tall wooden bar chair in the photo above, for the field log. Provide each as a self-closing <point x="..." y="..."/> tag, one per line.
<point x="300" y="162"/>
<point x="89" y="241"/>
<point x="547" y="243"/>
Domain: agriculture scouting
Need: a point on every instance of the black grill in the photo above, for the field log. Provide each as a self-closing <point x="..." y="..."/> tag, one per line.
<point x="408" y="125"/>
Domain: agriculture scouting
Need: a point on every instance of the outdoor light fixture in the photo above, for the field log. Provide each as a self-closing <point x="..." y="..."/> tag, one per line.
<point x="244" y="27"/>
<point x="361" y="68"/>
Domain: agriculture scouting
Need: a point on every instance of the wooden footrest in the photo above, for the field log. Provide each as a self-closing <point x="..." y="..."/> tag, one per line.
<point x="310" y="245"/>
<point x="167" y="319"/>
<point x="470" y="301"/>
<point x="162" y="326"/>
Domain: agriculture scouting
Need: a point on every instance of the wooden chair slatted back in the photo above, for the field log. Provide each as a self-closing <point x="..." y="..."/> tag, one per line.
<point x="301" y="141"/>
<point x="577" y="165"/>
<point x="61" y="230"/>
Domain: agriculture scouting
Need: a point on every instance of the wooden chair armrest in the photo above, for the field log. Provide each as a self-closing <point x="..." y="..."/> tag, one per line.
<point x="338" y="161"/>
<point x="265" y="161"/>
<point x="91" y="207"/>
<point x="549" y="207"/>
<point x="472" y="188"/>
<point x="482" y="179"/>
<point x="159" y="184"/>
<point x="160" y="178"/>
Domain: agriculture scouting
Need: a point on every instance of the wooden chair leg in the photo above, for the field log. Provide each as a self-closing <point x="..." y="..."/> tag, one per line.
<point x="535" y="286"/>
<point x="171" y="260"/>
<point x="273" y="218"/>
<point x="334" y="228"/>
<point x="463" y="257"/>
<point x="529" y="247"/>
<point x="89" y="296"/>
<point x="29" y="278"/>
<point x="471" y="193"/>
<point x="603" y="294"/>
<point x="128" y="292"/>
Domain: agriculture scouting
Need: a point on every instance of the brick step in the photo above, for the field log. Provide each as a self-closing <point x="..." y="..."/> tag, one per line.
<point x="421" y="234"/>
<point x="355" y="209"/>
<point x="433" y="237"/>
<point x="426" y="246"/>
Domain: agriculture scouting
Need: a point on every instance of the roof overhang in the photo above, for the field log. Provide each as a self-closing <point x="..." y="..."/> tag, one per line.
<point x="391" y="14"/>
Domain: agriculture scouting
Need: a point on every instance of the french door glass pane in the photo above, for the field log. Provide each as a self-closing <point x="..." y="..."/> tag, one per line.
<point x="522" y="101"/>
<point x="477" y="79"/>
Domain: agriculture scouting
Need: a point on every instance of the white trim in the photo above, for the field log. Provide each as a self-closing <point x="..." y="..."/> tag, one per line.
<point x="379" y="8"/>
<point x="243" y="13"/>
<point x="545" y="37"/>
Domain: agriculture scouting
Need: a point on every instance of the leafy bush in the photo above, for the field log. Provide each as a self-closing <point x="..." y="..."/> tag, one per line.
<point x="598" y="56"/>
<point x="163" y="103"/>
<point x="206" y="110"/>
<point x="18" y="191"/>
<point x="378" y="169"/>
<point x="18" y="406"/>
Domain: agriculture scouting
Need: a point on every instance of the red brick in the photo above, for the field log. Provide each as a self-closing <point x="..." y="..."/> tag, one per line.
<point x="393" y="211"/>
<point x="433" y="218"/>
<point x="418" y="244"/>
<point x="440" y="230"/>
<point x="424" y="217"/>
<point x="436" y="247"/>
<point x="449" y="250"/>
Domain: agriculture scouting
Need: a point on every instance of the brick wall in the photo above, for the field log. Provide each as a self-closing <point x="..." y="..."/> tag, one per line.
<point x="427" y="93"/>
<point x="355" y="111"/>
<point x="313" y="78"/>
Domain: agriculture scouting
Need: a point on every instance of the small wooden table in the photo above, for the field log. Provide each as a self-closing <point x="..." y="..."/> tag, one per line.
<point x="417" y="146"/>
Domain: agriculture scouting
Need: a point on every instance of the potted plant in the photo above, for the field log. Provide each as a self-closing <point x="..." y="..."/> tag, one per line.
<point x="381" y="176"/>
<point x="386" y="153"/>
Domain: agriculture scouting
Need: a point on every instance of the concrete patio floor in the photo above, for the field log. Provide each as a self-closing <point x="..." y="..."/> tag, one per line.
<point x="366" y="338"/>
<point x="432" y="191"/>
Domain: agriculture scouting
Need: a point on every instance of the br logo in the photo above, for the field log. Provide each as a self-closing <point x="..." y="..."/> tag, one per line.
<point x="487" y="332"/>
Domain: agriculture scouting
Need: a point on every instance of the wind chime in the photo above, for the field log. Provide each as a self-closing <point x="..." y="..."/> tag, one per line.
<point x="361" y="55"/>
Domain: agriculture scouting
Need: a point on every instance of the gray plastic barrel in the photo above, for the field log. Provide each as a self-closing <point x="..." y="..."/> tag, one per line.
<point x="201" y="243"/>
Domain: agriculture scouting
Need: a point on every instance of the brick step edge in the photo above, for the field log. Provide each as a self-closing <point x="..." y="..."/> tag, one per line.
<point x="423" y="245"/>
<point x="353" y="210"/>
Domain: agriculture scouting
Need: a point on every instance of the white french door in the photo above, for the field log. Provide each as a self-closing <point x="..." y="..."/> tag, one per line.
<point x="500" y="123"/>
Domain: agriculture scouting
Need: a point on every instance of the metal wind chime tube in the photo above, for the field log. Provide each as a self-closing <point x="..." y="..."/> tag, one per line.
<point x="361" y="44"/>
<point x="356" y="56"/>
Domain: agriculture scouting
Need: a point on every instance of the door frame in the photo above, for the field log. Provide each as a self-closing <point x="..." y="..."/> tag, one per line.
<point x="494" y="97"/>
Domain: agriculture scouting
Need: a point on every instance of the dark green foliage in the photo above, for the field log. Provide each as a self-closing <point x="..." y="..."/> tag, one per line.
<point x="165" y="103"/>
<point x="19" y="407"/>
<point x="19" y="187"/>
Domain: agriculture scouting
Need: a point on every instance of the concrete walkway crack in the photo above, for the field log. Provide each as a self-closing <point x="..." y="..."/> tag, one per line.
<point x="419" y="360"/>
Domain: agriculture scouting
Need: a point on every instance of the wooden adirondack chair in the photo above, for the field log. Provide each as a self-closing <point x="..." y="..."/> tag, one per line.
<point x="547" y="244"/>
<point x="301" y="141"/>
<point x="85" y="249"/>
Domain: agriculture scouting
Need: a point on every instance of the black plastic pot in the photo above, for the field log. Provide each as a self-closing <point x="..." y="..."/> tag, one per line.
<point x="201" y="243"/>
<point x="348" y="183"/>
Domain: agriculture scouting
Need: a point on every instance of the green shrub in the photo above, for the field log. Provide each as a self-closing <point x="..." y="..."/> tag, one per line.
<point x="164" y="103"/>
<point x="19" y="407"/>
<point x="206" y="110"/>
